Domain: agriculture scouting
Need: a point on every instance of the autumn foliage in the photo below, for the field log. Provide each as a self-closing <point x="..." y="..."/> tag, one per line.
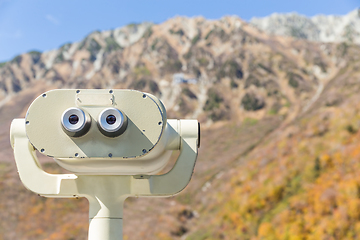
<point x="303" y="184"/>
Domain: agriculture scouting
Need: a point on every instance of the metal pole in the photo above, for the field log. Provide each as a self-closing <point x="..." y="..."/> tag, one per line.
<point x="106" y="195"/>
<point x="105" y="229"/>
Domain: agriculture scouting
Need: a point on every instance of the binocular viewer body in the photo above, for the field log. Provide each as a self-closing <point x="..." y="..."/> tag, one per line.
<point x="122" y="132"/>
<point x="113" y="141"/>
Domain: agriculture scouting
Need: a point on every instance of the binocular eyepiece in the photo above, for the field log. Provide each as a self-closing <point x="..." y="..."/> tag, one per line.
<point x="75" y="122"/>
<point x="111" y="122"/>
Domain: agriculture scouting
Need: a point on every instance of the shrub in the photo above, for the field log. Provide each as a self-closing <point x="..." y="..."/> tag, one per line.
<point x="94" y="48"/>
<point x="17" y="59"/>
<point x="35" y="55"/>
<point x="252" y="80"/>
<point x="140" y="84"/>
<point x="219" y="114"/>
<point x="273" y="111"/>
<point x="141" y="71"/>
<point x="172" y="66"/>
<point x="297" y="33"/>
<point x="153" y="45"/>
<point x="319" y="62"/>
<point x="233" y="84"/>
<point x="317" y="167"/>
<point x="114" y="65"/>
<point x="343" y="48"/>
<point x="148" y="33"/>
<point x="196" y="71"/>
<point x="65" y="47"/>
<point x="268" y="70"/>
<point x="189" y="93"/>
<point x="213" y="101"/>
<point x="293" y="82"/>
<point x="217" y="32"/>
<point x="203" y="61"/>
<point x="132" y="25"/>
<point x="272" y="88"/>
<point x="209" y="33"/>
<point x="111" y="44"/>
<point x="59" y="58"/>
<point x="143" y="83"/>
<point x="178" y="32"/>
<point x="251" y="102"/>
<point x="195" y="39"/>
<point x="179" y="231"/>
<point x="154" y="88"/>
<point x="188" y="54"/>
<point x="16" y="86"/>
<point x="184" y="108"/>
<point x="351" y="129"/>
<point x="250" y="121"/>
<point x="230" y="69"/>
<point x="34" y="52"/>
<point x="294" y="79"/>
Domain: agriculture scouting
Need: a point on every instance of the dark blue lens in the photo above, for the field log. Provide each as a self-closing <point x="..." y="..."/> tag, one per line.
<point x="111" y="119"/>
<point x="73" y="119"/>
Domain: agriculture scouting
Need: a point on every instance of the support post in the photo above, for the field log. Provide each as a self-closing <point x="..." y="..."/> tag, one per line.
<point x="106" y="195"/>
<point x="106" y="217"/>
<point x="105" y="229"/>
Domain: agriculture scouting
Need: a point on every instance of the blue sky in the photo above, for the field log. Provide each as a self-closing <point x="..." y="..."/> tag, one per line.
<point x="43" y="25"/>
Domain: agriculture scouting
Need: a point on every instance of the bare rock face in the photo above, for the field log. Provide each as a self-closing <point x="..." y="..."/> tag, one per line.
<point x="318" y="28"/>
<point x="199" y="68"/>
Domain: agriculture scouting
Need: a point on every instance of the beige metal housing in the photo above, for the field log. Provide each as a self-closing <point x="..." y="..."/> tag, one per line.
<point x="144" y="147"/>
<point x="106" y="193"/>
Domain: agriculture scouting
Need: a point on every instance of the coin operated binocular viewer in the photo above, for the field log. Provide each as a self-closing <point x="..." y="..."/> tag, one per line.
<point x="113" y="141"/>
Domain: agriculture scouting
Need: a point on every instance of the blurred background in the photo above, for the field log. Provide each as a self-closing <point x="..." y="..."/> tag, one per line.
<point x="275" y="85"/>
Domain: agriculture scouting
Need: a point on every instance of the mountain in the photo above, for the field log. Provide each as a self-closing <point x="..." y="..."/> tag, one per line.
<point x="257" y="73"/>
<point x="280" y="128"/>
<point x="319" y="28"/>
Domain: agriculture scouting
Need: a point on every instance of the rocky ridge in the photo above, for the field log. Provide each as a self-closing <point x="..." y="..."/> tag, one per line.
<point x="236" y="71"/>
<point x="321" y="28"/>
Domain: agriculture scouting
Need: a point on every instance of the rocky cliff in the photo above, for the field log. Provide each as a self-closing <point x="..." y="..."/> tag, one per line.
<point x="211" y="70"/>
<point x="319" y="28"/>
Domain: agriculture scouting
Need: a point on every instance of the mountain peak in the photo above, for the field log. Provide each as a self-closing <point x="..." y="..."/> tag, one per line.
<point x="322" y="28"/>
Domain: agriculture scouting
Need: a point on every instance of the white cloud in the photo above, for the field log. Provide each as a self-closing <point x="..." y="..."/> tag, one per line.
<point x="52" y="19"/>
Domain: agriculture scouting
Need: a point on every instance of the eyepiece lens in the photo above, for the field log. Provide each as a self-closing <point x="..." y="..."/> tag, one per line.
<point x="73" y="119"/>
<point x="111" y="119"/>
<point x="75" y="122"/>
<point x="112" y="122"/>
